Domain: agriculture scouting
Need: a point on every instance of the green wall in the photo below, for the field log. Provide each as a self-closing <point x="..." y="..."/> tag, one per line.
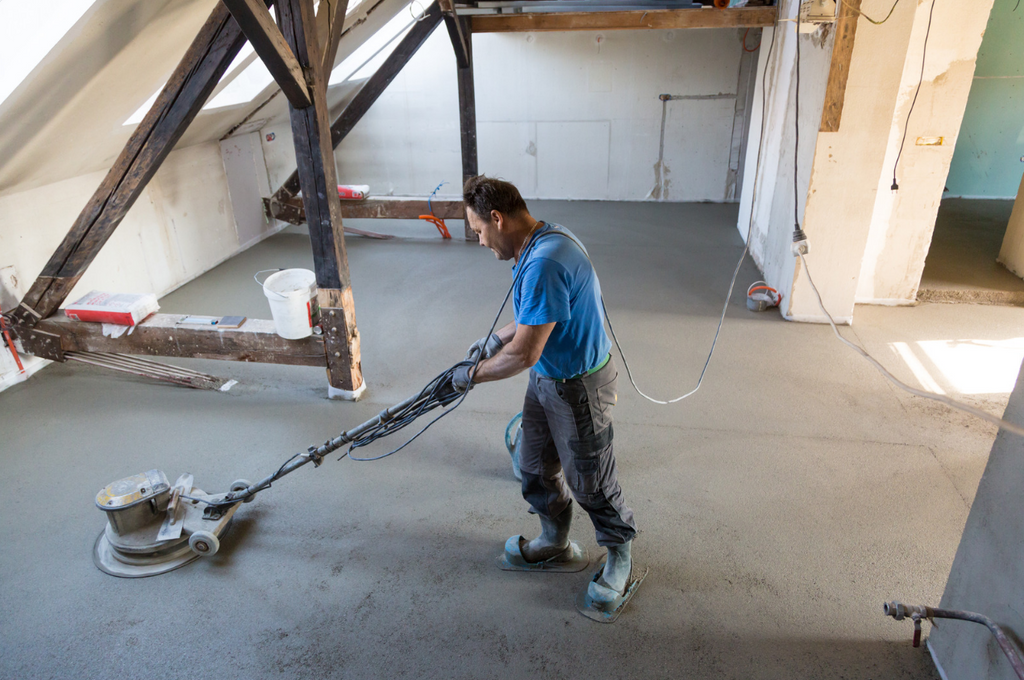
<point x="987" y="158"/>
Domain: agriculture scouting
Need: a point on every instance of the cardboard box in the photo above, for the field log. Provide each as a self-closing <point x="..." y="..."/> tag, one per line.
<point x="125" y="309"/>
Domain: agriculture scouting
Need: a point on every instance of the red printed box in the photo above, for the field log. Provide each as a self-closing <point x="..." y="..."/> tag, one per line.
<point x="125" y="309"/>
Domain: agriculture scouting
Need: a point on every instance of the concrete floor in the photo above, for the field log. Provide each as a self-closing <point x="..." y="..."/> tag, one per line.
<point x="961" y="263"/>
<point x="779" y="506"/>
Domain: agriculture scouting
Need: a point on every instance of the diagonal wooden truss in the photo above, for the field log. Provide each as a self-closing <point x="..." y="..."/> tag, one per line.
<point x="298" y="49"/>
<point x="300" y="62"/>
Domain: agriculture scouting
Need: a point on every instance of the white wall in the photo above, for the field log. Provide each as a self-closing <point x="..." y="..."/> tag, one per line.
<point x="903" y="221"/>
<point x="1011" y="254"/>
<point x="562" y="115"/>
<point x="767" y="196"/>
<point x="181" y="226"/>
<point x="866" y="243"/>
<point x="577" y="115"/>
<point x="987" y="571"/>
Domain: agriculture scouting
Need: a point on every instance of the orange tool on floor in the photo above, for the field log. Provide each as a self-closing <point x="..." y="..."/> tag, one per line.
<point x="434" y="219"/>
<point x="439" y="223"/>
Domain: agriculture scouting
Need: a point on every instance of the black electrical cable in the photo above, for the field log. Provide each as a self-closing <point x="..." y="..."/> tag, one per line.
<point x="796" y="138"/>
<point x="437" y="396"/>
<point x="906" y="126"/>
<point x="437" y="392"/>
<point x="874" y="21"/>
<point x="434" y="394"/>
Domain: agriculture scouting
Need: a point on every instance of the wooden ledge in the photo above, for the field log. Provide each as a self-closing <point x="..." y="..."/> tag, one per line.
<point x="160" y="335"/>
<point x="745" y="17"/>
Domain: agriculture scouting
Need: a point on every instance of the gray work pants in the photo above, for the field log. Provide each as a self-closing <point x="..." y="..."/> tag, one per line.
<point x="567" y="441"/>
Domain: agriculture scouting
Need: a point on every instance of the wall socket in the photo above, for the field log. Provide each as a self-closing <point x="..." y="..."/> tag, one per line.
<point x="816" y="12"/>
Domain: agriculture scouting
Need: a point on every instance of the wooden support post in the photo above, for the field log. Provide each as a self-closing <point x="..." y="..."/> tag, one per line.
<point x="839" y="69"/>
<point x="372" y="89"/>
<point x="270" y="45"/>
<point x="456" y="33"/>
<point x="206" y="60"/>
<point x="467" y="118"/>
<point x="330" y="21"/>
<point x="316" y="173"/>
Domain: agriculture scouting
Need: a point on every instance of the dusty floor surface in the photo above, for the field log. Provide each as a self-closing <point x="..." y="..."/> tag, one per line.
<point x="961" y="264"/>
<point x="779" y="506"/>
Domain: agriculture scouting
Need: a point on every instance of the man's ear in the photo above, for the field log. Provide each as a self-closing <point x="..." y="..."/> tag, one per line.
<point x="498" y="219"/>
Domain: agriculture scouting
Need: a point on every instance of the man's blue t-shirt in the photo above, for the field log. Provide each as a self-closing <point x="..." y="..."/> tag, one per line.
<point x="558" y="283"/>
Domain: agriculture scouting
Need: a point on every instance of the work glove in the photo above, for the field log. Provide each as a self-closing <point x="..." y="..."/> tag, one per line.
<point x="489" y="345"/>
<point x="461" y="382"/>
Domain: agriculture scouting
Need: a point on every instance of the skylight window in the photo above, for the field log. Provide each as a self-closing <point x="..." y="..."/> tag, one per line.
<point x="248" y="76"/>
<point x="363" y="62"/>
<point x="29" y="29"/>
<point x="237" y="64"/>
<point x="139" y="114"/>
<point x="242" y="87"/>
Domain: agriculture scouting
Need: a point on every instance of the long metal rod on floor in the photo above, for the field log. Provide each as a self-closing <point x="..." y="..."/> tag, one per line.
<point x="147" y="369"/>
<point x="145" y="363"/>
<point x="900" y="611"/>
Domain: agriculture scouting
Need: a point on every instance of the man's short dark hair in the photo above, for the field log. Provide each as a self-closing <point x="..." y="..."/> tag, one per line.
<point x="484" y="194"/>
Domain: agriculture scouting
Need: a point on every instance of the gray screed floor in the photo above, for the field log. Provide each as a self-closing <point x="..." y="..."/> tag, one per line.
<point x="961" y="265"/>
<point x="779" y="506"/>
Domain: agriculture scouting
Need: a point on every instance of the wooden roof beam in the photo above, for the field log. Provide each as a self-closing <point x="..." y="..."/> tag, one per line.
<point x="330" y="21"/>
<point x="268" y="41"/>
<point x="372" y="88"/>
<point x="745" y="17"/>
<point x="455" y="31"/>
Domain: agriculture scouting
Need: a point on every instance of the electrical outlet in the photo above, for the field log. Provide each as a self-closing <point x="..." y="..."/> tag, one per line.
<point x="814" y="12"/>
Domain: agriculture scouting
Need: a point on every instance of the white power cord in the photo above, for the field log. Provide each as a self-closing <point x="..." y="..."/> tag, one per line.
<point x="977" y="412"/>
<point x="800" y="247"/>
<point x="735" y="274"/>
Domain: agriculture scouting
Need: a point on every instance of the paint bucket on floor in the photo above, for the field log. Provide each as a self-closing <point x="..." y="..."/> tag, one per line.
<point x="292" y="297"/>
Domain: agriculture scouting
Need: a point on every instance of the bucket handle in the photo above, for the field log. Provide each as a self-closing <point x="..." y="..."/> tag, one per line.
<point x="255" y="278"/>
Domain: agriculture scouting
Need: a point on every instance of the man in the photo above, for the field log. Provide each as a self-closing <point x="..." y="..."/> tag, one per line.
<point x="558" y="334"/>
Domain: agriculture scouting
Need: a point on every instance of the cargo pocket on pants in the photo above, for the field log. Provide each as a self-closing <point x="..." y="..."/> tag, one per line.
<point x="600" y="399"/>
<point x="590" y="447"/>
<point x="590" y="471"/>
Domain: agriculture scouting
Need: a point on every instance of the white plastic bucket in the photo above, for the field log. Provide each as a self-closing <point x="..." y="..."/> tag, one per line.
<point x="292" y="297"/>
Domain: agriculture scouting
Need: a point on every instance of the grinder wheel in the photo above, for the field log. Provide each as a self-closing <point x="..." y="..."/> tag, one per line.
<point x="125" y="565"/>
<point x="108" y="560"/>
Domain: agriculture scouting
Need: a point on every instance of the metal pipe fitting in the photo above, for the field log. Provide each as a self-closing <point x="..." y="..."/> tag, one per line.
<point x="900" y="611"/>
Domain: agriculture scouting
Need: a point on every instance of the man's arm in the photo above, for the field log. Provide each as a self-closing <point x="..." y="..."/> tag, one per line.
<point x="507" y="333"/>
<point x="519" y="354"/>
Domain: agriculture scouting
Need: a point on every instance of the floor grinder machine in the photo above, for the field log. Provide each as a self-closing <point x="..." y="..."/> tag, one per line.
<point x="154" y="527"/>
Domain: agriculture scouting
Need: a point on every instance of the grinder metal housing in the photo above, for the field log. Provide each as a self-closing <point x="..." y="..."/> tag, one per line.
<point x="153" y="527"/>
